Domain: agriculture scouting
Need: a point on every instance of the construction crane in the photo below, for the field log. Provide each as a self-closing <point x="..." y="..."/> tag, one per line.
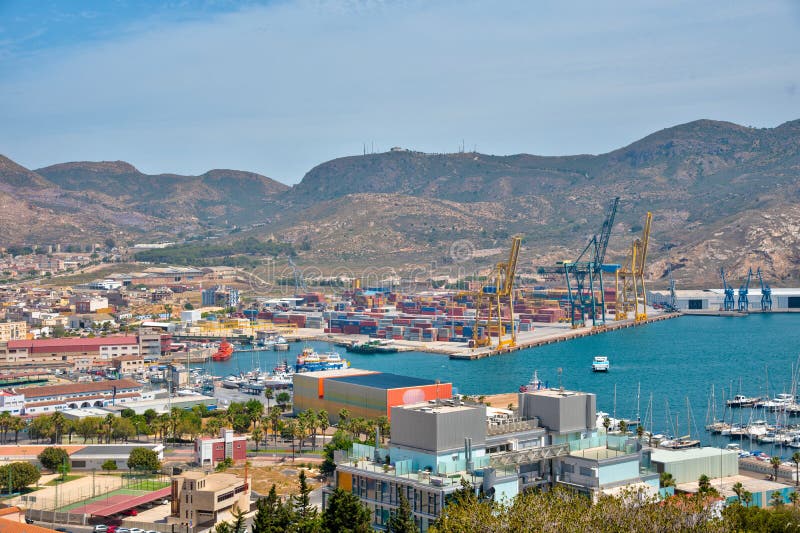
<point x="499" y="287"/>
<point x="589" y="264"/>
<point x="632" y="277"/>
<point x="743" y="303"/>
<point x="727" y="302"/>
<point x="766" y="292"/>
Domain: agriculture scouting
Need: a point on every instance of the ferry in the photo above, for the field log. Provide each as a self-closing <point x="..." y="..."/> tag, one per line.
<point x="311" y="361"/>
<point x="224" y="352"/>
<point x="600" y="364"/>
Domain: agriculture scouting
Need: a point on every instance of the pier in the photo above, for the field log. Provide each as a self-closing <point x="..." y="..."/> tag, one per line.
<point x="560" y="337"/>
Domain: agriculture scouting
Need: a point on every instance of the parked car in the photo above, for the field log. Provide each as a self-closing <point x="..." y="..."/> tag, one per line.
<point x="130" y="512"/>
<point x="101" y="528"/>
<point x="137" y="530"/>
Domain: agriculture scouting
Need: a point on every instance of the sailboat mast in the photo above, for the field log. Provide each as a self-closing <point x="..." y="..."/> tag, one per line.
<point x="638" y="395"/>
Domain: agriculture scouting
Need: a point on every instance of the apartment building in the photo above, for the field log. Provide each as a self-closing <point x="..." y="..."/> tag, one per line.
<point x="199" y="498"/>
<point x="12" y="331"/>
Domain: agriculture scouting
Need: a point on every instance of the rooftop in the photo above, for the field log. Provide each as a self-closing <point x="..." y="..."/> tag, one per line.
<point x="556" y="393"/>
<point x="384" y="381"/>
<point x="73" y="388"/>
<point x="674" y="456"/>
<point x="432" y="407"/>
<point x="344" y="372"/>
<point x="598" y="454"/>
<point x="108" y="450"/>
<point x="216" y="481"/>
<point x="56" y="344"/>
<point x="725" y="485"/>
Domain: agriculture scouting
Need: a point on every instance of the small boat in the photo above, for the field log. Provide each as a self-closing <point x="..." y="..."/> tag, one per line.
<point x="680" y="443"/>
<point x="533" y="385"/>
<point x="224" y="352"/>
<point x="600" y="363"/>
<point x="232" y="382"/>
<point x="740" y="400"/>
<point x="280" y="345"/>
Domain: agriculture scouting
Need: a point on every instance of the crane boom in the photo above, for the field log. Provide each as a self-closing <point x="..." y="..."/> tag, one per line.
<point x="605" y="232"/>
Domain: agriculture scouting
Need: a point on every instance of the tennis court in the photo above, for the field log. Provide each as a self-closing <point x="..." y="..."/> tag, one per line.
<point x="120" y="500"/>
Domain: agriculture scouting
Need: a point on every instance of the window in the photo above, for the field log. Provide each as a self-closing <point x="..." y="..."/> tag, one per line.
<point x="586" y="471"/>
<point x="567" y="468"/>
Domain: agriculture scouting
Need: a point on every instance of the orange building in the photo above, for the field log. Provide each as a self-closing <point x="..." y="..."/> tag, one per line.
<point x="363" y="393"/>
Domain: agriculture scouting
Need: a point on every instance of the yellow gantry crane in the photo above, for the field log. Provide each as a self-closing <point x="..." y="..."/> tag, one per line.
<point x="630" y="278"/>
<point x="499" y="286"/>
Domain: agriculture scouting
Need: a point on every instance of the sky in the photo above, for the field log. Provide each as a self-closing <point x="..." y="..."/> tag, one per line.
<point x="279" y="87"/>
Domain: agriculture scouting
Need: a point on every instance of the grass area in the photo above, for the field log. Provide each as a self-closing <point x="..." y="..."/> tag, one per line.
<point x="59" y="479"/>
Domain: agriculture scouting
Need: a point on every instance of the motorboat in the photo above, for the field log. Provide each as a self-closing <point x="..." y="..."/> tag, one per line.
<point x="600" y="364"/>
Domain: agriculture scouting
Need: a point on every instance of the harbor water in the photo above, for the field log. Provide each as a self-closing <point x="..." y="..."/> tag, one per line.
<point x="674" y="362"/>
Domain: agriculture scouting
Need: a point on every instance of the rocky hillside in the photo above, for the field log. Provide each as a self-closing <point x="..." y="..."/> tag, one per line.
<point x="721" y="195"/>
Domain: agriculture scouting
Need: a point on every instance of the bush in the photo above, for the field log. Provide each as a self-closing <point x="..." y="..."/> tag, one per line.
<point x="21" y="475"/>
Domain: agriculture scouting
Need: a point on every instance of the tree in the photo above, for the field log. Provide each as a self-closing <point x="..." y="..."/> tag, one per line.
<point x="623" y="427"/>
<point x="639" y="431"/>
<point x="775" y="462"/>
<point x="223" y="527"/>
<point x="17" y="425"/>
<point x="239" y="524"/>
<point x="346" y="514"/>
<point x="307" y="518"/>
<point x="794" y="497"/>
<point x="344" y="416"/>
<point x="256" y="436"/>
<point x="274" y="419"/>
<point x="666" y="480"/>
<point x="271" y="516"/>
<point x="109" y="466"/>
<point x="796" y="461"/>
<point x="776" y="499"/>
<point x="401" y="521"/>
<point x="5" y="422"/>
<point x="606" y="423"/>
<point x="738" y="489"/>
<point x="283" y="399"/>
<point x="144" y="459"/>
<point x="704" y="486"/>
<point x="54" y="459"/>
<point x="20" y="475"/>
<point x="339" y="441"/>
<point x="269" y="394"/>
<point x="747" y="497"/>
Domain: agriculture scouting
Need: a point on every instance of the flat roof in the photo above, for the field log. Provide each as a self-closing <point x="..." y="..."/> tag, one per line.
<point x="600" y="453"/>
<point x="327" y="374"/>
<point x="725" y="485"/>
<point x="102" y="450"/>
<point x="384" y="381"/>
<point x="429" y="407"/>
<point x="556" y="393"/>
<point x="675" y="456"/>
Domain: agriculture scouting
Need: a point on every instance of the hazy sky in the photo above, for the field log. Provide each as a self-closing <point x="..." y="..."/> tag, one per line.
<point x="279" y="87"/>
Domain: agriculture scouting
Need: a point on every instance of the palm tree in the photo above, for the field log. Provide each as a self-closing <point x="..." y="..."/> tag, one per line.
<point x="291" y="431"/>
<point x="623" y="427"/>
<point x="275" y="418"/>
<point x="256" y="435"/>
<point x="323" y="423"/>
<point x="5" y="423"/>
<point x="794" y="497"/>
<point x="775" y="461"/>
<point x="59" y="423"/>
<point x="639" y="431"/>
<point x="344" y="415"/>
<point x="17" y="425"/>
<point x="796" y="461"/>
<point x="268" y="394"/>
<point x="738" y="488"/>
<point x="776" y="499"/>
<point x="747" y="497"/>
<point x="606" y="423"/>
<point x="667" y="480"/>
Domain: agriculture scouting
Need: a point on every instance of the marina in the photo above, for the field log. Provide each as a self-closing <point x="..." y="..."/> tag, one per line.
<point x="668" y="360"/>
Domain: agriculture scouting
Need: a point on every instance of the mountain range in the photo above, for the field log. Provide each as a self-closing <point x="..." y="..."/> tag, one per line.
<point x="721" y="194"/>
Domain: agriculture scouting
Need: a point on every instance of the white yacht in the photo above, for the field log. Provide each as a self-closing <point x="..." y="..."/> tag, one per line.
<point x="600" y="364"/>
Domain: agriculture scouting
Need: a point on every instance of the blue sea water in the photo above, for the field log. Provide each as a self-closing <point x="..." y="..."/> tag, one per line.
<point x="670" y="361"/>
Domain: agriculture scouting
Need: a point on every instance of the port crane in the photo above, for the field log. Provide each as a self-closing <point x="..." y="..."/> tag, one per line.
<point x="727" y="302"/>
<point x="742" y="302"/>
<point x="589" y="265"/>
<point x="632" y="276"/>
<point x="766" y="292"/>
<point x="672" y="304"/>
<point x="499" y="287"/>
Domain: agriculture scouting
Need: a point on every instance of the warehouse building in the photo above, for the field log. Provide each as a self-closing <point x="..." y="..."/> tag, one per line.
<point x="363" y="393"/>
<point x="783" y="299"/>
<point x="687" y="466"/>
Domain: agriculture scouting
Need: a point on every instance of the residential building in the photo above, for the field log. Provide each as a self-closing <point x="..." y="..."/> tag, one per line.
<point x="77" y="353"/>
<point x="89" y="304"/>
<point x="128" y="365"/>
<point x="11" y="402"/>
<point x="13" y="331"/>
<point x="199" y="498"/>
<point x="51" y="398"/>
<point x="208" y="451"/>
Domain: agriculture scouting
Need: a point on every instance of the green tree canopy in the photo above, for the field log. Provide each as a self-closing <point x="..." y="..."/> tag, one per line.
<point x="20" y="474"/>
<point x="144" y="459"/>
<point x="346" y="514"/>
<point x="402" y="521"/>
<point x="109" y="466"/>
<point x="54" y="459"/>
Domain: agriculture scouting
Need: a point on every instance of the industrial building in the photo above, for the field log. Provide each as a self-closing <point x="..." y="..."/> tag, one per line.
<point x="783" y="299"/>
<point x="363" y="393"/>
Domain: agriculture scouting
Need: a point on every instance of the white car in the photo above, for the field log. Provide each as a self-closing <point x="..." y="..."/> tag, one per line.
<point x="100" y="528"/>
<point x="136" y="530"/>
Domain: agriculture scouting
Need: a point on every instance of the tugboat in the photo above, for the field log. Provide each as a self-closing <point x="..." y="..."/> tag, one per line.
<point x="600" y="363"/>
<point x="533" y="385"/>
<point x="224" y="352"/>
